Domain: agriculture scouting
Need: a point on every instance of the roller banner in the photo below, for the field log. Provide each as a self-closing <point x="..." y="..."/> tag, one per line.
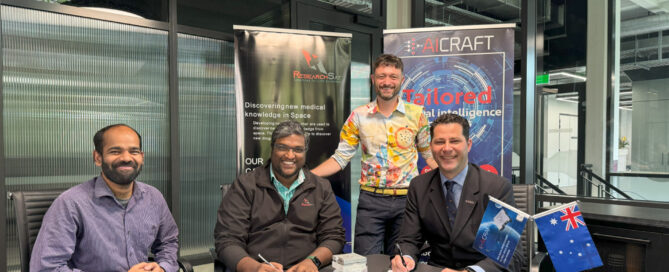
<point x="283" y="74"/>
<point x="467" y="70"/>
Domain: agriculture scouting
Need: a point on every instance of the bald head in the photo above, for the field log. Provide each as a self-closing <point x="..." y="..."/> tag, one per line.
<point x="98" y="139"/>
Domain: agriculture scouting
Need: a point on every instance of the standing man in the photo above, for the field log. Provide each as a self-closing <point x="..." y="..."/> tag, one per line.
<point x="445" y="206"/>
<point x="280" y="211"/>
<point x="391" y="133"/>
<point x="112" y="221"/>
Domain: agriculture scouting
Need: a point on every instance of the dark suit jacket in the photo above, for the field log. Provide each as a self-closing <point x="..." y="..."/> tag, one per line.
<point x="425" y="218"/>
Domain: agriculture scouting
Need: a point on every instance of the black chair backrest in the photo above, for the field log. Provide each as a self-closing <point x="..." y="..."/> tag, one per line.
<point x="224" y="189"/>
<point x="218" y="265"/>
<point x="523" y="195"/>
<point x="30" y="207"/>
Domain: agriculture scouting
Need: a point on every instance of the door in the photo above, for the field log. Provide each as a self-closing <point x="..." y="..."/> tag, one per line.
<point x="560" y="142"/>
<point x="567" y="148"/>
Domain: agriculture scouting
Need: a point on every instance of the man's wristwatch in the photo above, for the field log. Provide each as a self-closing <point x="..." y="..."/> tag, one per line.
<point x="316" y="261"/>
<point x="469" y="269"/>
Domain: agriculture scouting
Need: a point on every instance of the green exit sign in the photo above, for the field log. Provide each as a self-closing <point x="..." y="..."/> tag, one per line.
<point x="543" y="79"/>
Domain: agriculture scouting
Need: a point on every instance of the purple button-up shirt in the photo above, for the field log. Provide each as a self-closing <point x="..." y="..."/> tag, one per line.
<point x="86" y="229"/>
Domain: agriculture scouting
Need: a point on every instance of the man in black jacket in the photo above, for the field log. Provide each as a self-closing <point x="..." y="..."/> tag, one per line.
<point x="445" y="206"/>
<point x="280" y="211"/>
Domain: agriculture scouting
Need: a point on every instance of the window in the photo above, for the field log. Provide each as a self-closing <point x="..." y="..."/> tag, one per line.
<point x="639" y="160"/>
<point x="64" y="78"/>
<point x="206" y="134"/>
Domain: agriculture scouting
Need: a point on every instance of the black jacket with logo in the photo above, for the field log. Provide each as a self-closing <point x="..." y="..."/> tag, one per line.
<point x="251" y="220"/>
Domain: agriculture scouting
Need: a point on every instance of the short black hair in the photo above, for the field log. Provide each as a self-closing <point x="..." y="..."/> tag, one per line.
<point x="99" y="136"/>
<point x="287" y="128"/>
<point x="388" y="60"/>
<point x="448" y="118"/>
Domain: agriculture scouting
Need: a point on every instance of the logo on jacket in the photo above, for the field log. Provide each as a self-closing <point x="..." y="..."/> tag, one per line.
<point x="306" y="203"/>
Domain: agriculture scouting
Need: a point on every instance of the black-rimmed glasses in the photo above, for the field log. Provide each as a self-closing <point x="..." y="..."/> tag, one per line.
<point x="285" y="148"/>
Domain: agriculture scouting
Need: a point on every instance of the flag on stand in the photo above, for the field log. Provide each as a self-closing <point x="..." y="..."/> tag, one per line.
<point x="567" y="238"/>
<point x="500" y="230"/>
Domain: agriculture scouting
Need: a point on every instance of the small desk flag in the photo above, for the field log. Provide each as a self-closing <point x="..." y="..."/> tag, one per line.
<point x="567" y="238"/>
<point x="500" y="230"/>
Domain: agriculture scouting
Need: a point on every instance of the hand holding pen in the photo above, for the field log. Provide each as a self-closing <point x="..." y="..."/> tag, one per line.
<point x="401" y="254"/>
<point x="401" y="263"/>
<point x="273" y="266"/>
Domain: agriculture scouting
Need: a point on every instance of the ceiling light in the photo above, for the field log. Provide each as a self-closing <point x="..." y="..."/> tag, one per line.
<point x="570" y="75"/>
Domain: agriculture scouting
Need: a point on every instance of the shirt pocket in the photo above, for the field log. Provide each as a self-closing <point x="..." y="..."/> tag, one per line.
<point x="147" y="235"/>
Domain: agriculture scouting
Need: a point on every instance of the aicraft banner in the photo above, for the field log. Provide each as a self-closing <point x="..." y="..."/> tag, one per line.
<point x="467" y="70"/>
<point x="288" y="74"/>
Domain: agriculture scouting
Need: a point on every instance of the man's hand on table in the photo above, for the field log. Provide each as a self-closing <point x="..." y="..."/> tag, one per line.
<point x="268" y="268"/>
<point x="452" y="270"/>
<point x="305" y="265"/>
<point x="397" y="266"/>
<point x="143" y="267"/>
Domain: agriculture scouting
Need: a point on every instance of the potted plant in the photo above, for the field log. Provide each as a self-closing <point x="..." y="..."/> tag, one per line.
<point x="622" y="153"/>
<point x="622" y="143"/>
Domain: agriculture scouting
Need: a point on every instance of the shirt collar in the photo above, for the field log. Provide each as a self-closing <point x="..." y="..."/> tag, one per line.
<point x="102" y="189"/>
<point x="459" y="178"/>
<point x="300" y="178"/>
<point x="374" y="106"/>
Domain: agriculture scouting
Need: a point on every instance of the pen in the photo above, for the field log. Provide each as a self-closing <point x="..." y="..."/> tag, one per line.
<point x="401" y="254"/>
<point x="264" y="260"/>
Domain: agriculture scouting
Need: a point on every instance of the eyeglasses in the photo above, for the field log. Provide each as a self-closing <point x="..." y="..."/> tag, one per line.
<point x="285" y="148"/>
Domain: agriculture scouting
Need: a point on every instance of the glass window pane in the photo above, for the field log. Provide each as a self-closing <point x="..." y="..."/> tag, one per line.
<point x="362" y="6"/>
<point x="640" y="145"/>
<point x="65" y="77"/>
<point x="473" y="12"/>
<point x="641" y="188"/>
<point x="561" y="79"/>
<point x="206" y="134"/>
<point x="147" y="9"/>
<point x="221" y="15"/>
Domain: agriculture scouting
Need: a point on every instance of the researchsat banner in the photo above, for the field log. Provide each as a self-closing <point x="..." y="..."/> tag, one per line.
<point x="288" y="74"/>
<point x="467" y="70"/>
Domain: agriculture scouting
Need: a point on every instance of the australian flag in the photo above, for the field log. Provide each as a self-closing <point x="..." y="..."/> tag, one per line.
<point x="567" y="238"/>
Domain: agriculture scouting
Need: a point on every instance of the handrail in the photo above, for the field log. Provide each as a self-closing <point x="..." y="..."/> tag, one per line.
<point x="587" y="169"/>
<point x="663" y="175"/>
<point x="554" y="198"/>
<point x="551" y="185"/>
<point x="541" y="189"/>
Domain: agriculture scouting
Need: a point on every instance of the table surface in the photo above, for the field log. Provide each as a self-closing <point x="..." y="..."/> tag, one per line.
<point x="381" y="263"/>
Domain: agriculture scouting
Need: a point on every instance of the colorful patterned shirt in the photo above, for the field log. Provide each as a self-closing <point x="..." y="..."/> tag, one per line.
<point x="286" y="193"/>
<point x="390" y="145"/>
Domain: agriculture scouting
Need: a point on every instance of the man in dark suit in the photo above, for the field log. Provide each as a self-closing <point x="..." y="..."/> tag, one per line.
<point x="445" y="206"/>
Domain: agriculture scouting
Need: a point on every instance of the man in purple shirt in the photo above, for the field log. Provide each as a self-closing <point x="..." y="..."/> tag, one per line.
<point x="110" y="222"/>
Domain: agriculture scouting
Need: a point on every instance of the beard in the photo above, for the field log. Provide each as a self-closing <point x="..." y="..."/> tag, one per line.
<point x="387" y="98"/>
<point x="279" y="172"/>
<point x="115" y="176"/>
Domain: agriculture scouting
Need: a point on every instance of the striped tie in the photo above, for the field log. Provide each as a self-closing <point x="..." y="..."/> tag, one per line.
<point x="450" y="202"/>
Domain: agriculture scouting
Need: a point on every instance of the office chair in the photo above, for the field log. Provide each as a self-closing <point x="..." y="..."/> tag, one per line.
<point x="30" y="207"/>
<point x="219" y="266"/>
<point x="523" y="196"/>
